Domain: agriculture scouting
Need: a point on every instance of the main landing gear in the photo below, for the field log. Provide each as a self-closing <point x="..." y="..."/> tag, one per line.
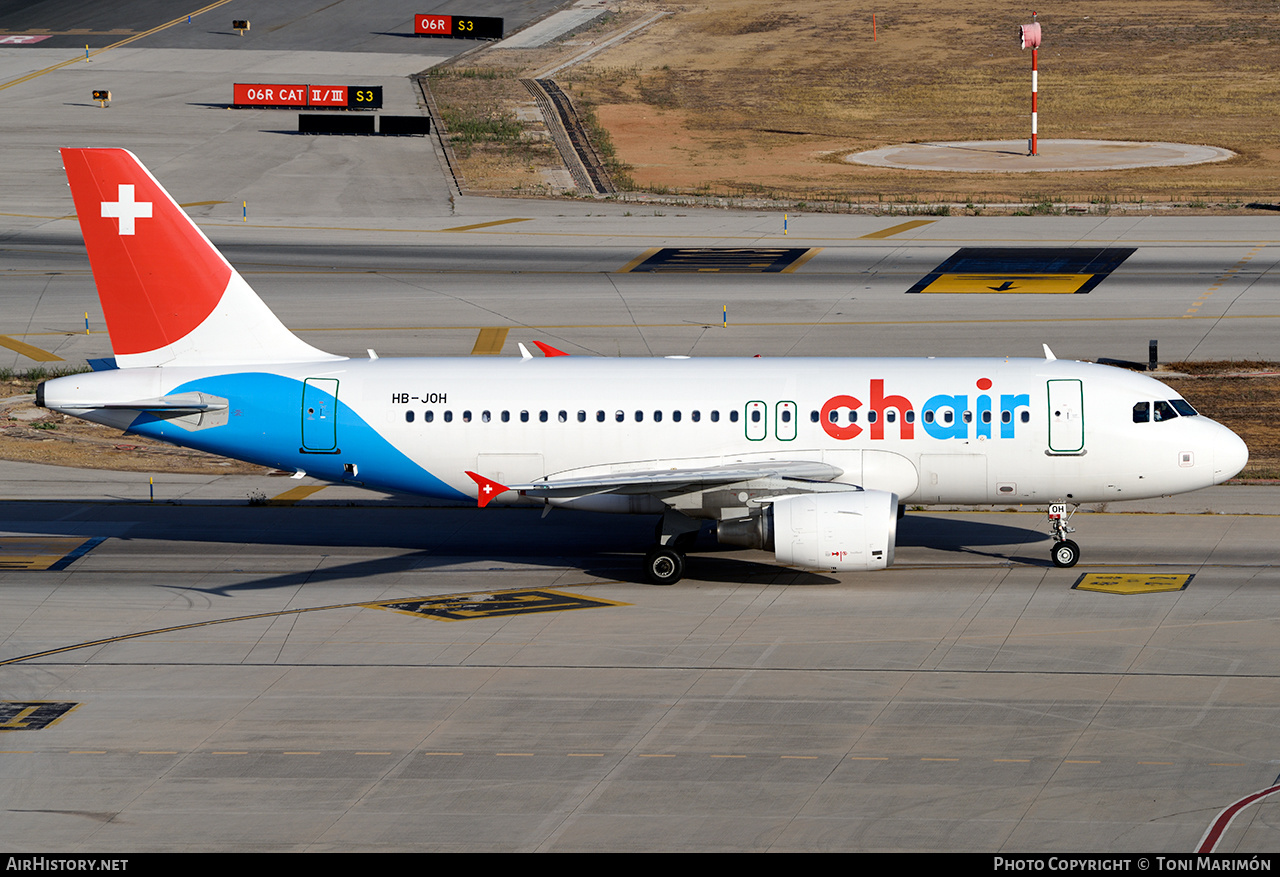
<point x="675" y="534"/>
<point x="1065" y="553"/>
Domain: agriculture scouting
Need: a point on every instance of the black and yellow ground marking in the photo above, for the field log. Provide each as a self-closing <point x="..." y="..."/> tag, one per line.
<point x="896" y="229"/>
<point x="32" y="715"/>
<point x="489" y="341"/>
<point x="493" y="604"/>
<point x="484" y="225"/>
<point x="30" y="351"/>
<point x="44" y="552"/>
<point x="1024" y="270"/>
<point x="720" y="260"/>
<point x="562" y="599"/>
<point x="1121" y="583"/>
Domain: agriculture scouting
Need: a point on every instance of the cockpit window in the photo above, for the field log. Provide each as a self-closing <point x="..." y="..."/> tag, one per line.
<point x="1142" y="412"/>
<point x="1164" y="411"/>
<point x="1183" y="407"/>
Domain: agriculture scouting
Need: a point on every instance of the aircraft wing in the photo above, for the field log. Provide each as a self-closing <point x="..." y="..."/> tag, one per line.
<point x="668" y="482"/>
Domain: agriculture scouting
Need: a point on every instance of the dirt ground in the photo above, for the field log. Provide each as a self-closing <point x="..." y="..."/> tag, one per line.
<point x="752" y="97"/>
<point x="36" y="435"/>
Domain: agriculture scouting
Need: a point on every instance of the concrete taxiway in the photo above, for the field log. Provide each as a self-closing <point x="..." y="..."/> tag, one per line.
<point x="242" y="665"/>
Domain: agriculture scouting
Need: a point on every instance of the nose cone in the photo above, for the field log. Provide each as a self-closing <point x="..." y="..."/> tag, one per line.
<point x="1229" y="456"/>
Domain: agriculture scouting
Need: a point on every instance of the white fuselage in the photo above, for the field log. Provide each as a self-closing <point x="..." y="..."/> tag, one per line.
<point x="929" y="430"/>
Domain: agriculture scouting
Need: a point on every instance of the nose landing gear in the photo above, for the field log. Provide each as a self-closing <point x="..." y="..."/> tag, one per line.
<point x="1065" y="553"/>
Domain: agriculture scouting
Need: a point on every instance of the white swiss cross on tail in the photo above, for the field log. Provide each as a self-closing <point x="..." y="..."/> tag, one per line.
<point x="126" y="209"/>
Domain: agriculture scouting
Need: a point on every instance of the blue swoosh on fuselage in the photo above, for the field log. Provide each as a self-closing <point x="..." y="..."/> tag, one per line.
<point x="264" y="426"/>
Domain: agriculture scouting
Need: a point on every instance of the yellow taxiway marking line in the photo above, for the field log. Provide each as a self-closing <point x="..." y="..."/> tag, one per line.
<point x="490" y="340"/>
<point x="294" y="494"/>
<point x="145" y="33"/>
<point x="791" y="269"/>
<point x="639" y="260"/>
<point x="896" y="229"/>
<point x="486" y="224"/>
<point x="28" y="350"/>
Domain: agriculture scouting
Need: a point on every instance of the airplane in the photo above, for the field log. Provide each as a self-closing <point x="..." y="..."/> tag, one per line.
<point x="811" y="458"/>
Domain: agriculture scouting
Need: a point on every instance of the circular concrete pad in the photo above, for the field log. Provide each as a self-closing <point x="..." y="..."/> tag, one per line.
<point x="1010" y="156"/>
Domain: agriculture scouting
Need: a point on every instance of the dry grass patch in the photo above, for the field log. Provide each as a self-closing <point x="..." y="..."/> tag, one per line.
<point x="743" y="93"/>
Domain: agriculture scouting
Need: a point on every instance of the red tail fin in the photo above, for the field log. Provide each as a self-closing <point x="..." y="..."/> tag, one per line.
<point x="167" y="293"/>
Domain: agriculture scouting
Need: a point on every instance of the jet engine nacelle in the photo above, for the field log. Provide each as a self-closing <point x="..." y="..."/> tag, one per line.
<point x="847" y="531"/>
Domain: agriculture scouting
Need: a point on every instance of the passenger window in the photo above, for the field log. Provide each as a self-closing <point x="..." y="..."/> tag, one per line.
<point x="1142" y="412"/>
<point x="755" y="416"/>
<point x="408" y="417"/>
<point x="833" y="416"/>
<point x="639" y="416"/>
<point x="675" y="416"/>
<point x="948" y="416"/>
<point x="619" y="416"/>
<point x="582" y="417"/>
<point x="696" y="415"/>
<point x="563" y="416"/>
<point x="1026" y="417"/>
<point x="986" y="417"/>
<point x="448" y="417"/>
<point x="506" y="416"/>
<point x="428" y="416"/>
<point x="466" y="417"/>
<point x="872" y="415"/>
<point x="786" y="416"/>
<point x="599" y="417"/>
<point x="967" y="416"/>
<point x="715" y="416"/>
<point x="928" y="417"/>
<point x="524" y="416"/>
<point x="733" y="416"/>
<point x="484" y="416"/>
<point x="657" y="417"/>
<point x="813" y="417"/>
<point x="910" y="416"/>
<point x="890" y="415"/>
<point x="542" y="417"/>
<point x="1006" y="417"/>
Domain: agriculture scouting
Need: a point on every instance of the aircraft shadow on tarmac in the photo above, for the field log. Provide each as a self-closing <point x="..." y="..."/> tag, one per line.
<point x="956" y="534"/>
<point x="604" y="546"/>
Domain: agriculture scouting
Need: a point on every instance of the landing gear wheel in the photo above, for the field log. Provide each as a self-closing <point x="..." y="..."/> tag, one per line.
<point x="1065" y="554"/>
<point x="663" y="565"/>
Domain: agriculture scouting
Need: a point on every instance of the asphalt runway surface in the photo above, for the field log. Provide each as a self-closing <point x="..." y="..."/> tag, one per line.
<point x="232" y="666"/>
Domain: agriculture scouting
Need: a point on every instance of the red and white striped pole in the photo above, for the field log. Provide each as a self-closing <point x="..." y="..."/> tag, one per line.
<point x="1035" y="83"/>
<point x="1029" y="36"/>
